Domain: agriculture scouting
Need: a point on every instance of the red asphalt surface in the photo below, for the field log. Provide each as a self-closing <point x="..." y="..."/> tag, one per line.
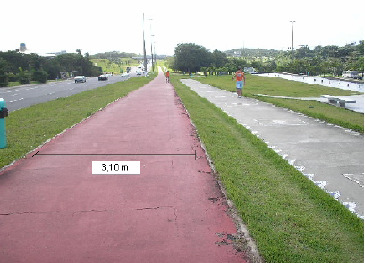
<point x="53" y="209"/>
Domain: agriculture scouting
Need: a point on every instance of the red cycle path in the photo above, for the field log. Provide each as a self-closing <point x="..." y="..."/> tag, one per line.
<point x="53" y="209"/>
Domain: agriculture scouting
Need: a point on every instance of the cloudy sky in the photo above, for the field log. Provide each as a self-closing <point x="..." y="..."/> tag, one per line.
<point x="99" y="26"/>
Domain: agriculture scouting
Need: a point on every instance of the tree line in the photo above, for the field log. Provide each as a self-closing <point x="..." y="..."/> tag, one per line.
<point x="23" y="68"/>
<point x="327" y="60"/>
<point x="113" y="55"/>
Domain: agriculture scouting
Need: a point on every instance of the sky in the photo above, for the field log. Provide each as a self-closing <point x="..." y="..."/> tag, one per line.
<point x="117" y="25"/>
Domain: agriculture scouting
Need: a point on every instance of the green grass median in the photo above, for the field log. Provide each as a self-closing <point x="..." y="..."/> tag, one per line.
<point x="291" y="219"/>
<point x="282" y="87"/>
<point x="30" y="127"/>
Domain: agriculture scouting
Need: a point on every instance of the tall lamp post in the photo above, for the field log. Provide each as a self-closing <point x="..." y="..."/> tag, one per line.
<point x="144" y="50"/>
<point x="292" y="36"/>
<point x="153" y="67"/>
<point x="154" y="52"/>
<point x="153" y="61"/>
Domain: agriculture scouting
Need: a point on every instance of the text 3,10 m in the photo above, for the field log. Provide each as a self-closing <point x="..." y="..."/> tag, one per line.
<point x="115" y="167"/>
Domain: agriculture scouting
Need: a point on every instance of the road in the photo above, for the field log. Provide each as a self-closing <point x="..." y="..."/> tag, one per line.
<point x="26" y="95"/>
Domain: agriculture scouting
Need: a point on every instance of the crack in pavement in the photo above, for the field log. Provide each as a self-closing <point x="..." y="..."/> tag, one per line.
<point x="52" y="212"/>
<point x="26" y="212"/>
<point x="151" y="208"/>
<point x="81" y="211"/>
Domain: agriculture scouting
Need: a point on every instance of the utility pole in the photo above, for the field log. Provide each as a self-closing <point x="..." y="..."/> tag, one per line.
<point x="154" y="52"/>
<point x="292" y="36"/>
<point x="144" y="51"/>
<point x="153" y="65"/>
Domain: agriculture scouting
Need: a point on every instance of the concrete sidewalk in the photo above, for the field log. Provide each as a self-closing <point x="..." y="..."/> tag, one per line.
<point x="331" y="156"/>
<point x="53" y="209"/>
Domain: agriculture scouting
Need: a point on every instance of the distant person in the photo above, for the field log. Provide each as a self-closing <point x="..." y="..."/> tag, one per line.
<point x="240" y="81"/>
<point x="167" y="75"/>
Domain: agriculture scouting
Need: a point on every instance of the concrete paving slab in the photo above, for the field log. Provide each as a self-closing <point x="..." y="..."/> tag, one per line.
<point x="53" y="209"/>
<point x="331" y="156"/>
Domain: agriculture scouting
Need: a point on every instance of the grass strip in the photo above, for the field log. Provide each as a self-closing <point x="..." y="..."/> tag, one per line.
<point x="275" y="86"/>
<point x="282" y="87"/>
<point x="30" y="127"/>
<point x="331" y="114"/>
<point x="291" y="219"/>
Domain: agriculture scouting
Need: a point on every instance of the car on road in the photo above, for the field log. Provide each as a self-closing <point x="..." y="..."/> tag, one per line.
<point x="102" y="77"/>
<point x="80" y="79"/>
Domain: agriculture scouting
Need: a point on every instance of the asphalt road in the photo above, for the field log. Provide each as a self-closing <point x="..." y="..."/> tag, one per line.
<point x="26" y="95"/>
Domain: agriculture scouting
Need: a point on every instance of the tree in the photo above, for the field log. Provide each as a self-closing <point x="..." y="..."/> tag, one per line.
<point x="14" y="60"/>
<point x="24" y="76"/>
<point x="40" y="76"/>
<point x="4" y="80"/>
<point x="303" y="52"/>
<point x="190" y="57"/>
<point x="3" y="65"/>
<point x="19" y="66"/>
<point x="269" y="66"/>
<point x="316" y="66"/>
<point x="170" y="62"/>
<point x="234" y="63"/>
<point x="219" y="58"/>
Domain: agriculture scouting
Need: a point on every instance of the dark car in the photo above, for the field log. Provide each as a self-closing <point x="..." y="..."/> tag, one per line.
<point x="102" y="77"/>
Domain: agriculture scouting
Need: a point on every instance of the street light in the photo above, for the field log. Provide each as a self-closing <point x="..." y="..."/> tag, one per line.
<point x="153" y="63"/>
<point x="153" y="67"/>
<point x="154" y="52"/>
<point x="144" y="50"/>
<point x="292" y="35"/>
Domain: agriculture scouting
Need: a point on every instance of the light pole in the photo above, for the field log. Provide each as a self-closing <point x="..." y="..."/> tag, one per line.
<point x="154" y="52"/>
<point x="153" y="68"/>
<point x="144" y="51"/>
<point x="153" y="63"/>
<point x="292" y="36"/>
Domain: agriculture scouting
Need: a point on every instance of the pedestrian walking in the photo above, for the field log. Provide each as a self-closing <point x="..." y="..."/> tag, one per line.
<point x="167" y="75"/>
<point x="240" y="81"/>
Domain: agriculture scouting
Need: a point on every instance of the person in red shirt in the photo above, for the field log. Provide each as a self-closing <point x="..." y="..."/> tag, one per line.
<point x="167" y="75"/>
<point x="240" y="81"/>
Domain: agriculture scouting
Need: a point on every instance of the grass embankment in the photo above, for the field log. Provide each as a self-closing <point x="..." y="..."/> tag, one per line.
<point x="30" y="127"/>
<point x="291" y="219"/>
<point x="281" y="87"/>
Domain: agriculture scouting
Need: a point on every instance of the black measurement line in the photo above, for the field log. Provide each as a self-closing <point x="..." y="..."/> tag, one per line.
<point x="116" y="154"/>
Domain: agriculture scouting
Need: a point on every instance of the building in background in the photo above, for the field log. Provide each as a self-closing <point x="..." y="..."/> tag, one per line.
<point x="23" y="47"/>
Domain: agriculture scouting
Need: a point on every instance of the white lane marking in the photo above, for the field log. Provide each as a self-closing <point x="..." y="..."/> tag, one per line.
<point x="16" y="100"/>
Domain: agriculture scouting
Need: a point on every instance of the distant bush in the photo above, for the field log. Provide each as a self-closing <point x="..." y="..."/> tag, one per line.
<point x="24" y="76"/>
<point x="40" y="76"/>
<point x="13" y="77"/>
<point x="4" y="80"/>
